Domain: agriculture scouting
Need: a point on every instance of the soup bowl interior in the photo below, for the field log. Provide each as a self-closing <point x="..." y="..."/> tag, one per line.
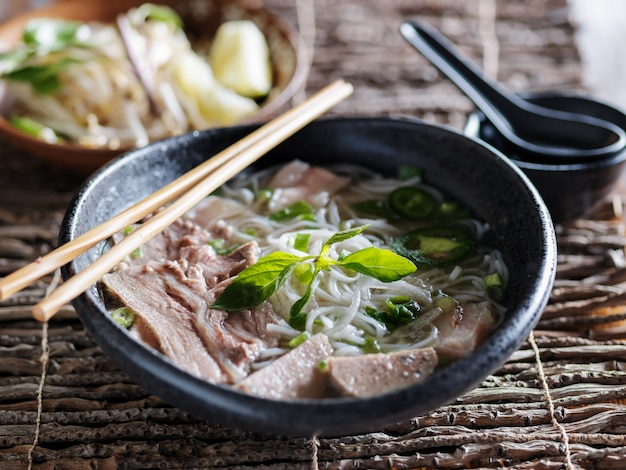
<point x="465" y="169"/>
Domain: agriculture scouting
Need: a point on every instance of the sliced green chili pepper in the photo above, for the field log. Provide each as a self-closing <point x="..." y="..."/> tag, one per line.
<point x="412" y="203"/>
<point x="372" y="207"/>
<point x="434" y="246"/>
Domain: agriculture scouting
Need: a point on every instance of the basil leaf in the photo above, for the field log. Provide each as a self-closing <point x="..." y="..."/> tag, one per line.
<point x="257" y="283"/>
<point x="384" y="265"/>
<point x="344" y="235"/>
<point x="304" y="273"/>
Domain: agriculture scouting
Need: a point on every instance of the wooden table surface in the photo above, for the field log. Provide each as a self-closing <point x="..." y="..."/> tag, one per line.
<point x="558" y="402"/>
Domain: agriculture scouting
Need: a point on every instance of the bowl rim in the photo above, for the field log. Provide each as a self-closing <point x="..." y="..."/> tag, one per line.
<point x="329" y="416"/>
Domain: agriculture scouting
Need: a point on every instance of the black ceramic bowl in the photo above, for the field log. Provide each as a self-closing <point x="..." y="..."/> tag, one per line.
<point x="465" y="169"/>
<point x="570" y="190"/>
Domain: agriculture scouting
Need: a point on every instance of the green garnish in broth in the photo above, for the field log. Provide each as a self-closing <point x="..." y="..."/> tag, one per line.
<point x="434" y="246"/>
<point x="258" y="282"/>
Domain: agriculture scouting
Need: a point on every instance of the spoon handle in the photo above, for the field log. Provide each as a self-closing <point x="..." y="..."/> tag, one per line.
<point x="530" y="129"/>
<point x="489" y="97"/>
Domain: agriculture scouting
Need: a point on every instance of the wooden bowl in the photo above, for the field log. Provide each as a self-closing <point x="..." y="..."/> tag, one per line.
<point x="201" y="19"/>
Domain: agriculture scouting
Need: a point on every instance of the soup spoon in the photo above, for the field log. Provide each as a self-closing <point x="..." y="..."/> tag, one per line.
<point x="533" y="132"/>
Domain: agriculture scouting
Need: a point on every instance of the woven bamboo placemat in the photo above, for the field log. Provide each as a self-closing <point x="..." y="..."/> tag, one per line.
<point x="558" y="402"/>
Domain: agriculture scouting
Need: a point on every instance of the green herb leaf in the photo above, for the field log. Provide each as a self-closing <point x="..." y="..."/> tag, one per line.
<point x="43" y="78"/>
<point x="11" y="60"/>
<point x="297" y="319"/>
<point x="297" y="209"/>
<point x="304" y="272"/>
<point x="494" y="285"/>
<point x="150" y="11"/>
<point x="52" y="34"/>
<point x="34" y="128"/>
<point x="258" y="282"/>
<point x="345" y="235"/>
<point x="379" y="263"/>
<point x="371" y="346"/>
<point x="401" y="310"/>
<point x="264" y="195"/>
<point x="220" y="246"/>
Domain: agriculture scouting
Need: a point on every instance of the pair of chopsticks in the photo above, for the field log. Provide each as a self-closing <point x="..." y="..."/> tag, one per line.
<point x="181" y="194"/>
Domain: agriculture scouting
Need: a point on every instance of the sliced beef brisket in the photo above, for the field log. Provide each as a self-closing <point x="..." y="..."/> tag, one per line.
<point x="172" y="301"/>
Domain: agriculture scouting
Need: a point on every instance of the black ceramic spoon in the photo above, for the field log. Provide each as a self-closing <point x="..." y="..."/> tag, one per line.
<point x="534" y="133"/>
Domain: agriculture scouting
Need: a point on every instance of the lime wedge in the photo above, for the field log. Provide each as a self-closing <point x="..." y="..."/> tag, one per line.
<point x="194" y="75"/>
<point x="240" y="58"/>
<point x="223" y="107"/>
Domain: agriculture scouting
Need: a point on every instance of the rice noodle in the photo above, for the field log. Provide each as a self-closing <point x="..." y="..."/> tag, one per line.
<point x="338" y="306"/>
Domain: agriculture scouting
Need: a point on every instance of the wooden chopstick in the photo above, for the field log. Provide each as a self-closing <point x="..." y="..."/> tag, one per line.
<point x="306" y="111"/>
<point x="190" y="189"/>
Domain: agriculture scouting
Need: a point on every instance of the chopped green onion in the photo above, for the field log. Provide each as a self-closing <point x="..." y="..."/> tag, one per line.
<point x="298" y="340"/>
<point x="323" y="365"/>
<point x="136" y="253"/>
<point x="128" y="230"/>
<point x="445" y="303"/>
<point x="371" y="345"/>
<point x="44" y="79"/>
<point x="34" y="128"/>
<point x="298" y="209"/>
<point x="124" y="317"/>
<point x="251" y="232"/>
<point x="264" y="195"/>
<point x="494" y="285"/>
<point x="301" y="241"/>
<point x="52" y="34"/>
<point x="220" y="246"/>
<point x="150" y="11"/>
